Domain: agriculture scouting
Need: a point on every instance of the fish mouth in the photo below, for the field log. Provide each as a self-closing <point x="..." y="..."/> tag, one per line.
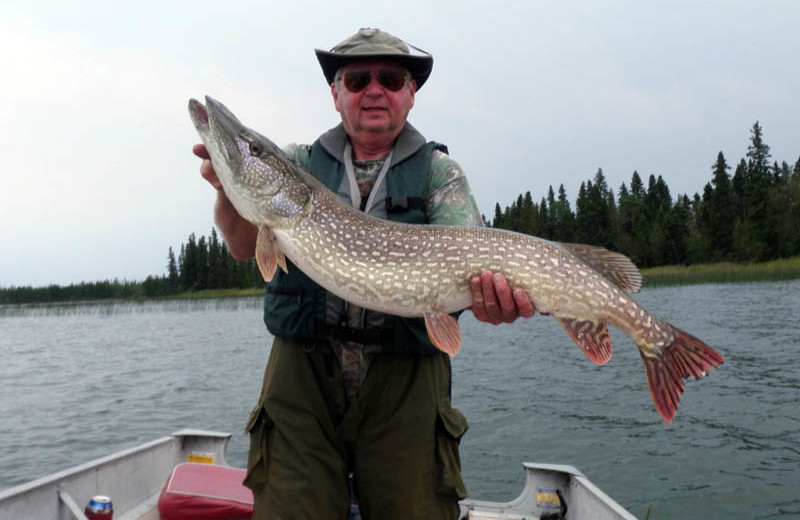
<point x="199" y="115"/>
<point x="217" y="127"/>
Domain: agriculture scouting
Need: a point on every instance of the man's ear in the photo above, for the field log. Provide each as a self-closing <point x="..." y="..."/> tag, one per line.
<point x="335" y="94"/>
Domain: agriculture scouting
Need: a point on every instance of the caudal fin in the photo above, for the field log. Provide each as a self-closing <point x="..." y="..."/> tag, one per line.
<point x="686" y="357"/>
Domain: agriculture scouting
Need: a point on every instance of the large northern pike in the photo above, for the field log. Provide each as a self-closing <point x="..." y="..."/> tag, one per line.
<point x="413" y="270"/>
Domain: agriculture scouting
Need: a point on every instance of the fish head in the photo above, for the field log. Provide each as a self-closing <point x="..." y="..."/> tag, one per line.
<point x="256" y="175"/>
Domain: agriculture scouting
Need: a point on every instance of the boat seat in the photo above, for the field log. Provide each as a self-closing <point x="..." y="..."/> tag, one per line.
<point x="205" y="492"/>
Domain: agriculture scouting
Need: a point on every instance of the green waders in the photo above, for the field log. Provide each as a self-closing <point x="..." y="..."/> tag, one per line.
<point x="399" y="436"/>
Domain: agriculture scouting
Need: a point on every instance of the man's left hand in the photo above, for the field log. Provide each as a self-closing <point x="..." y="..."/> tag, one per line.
<point x="493" y="300"/>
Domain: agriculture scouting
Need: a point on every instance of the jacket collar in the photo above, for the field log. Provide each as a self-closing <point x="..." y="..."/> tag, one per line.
<point x="407" y="143"/>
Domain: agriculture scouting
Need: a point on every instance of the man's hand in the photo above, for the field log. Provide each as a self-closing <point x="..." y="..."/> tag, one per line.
<point x="206" y="168"/>
<point x="494" y="302"/>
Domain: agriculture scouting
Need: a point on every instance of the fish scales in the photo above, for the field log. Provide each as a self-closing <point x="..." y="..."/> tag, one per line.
<point x="413" y="270"/>
<point x="431" y="263"/>
<point x="542" y="268"/>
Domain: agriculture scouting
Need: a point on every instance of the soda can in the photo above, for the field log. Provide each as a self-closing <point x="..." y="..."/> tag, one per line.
<point x="99" y="508"/>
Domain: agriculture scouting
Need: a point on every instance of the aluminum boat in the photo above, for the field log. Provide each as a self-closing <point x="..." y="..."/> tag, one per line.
<point x="186" y="475"/>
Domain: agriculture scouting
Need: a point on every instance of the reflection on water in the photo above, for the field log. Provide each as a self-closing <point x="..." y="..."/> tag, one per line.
<point x="82" y="381"/>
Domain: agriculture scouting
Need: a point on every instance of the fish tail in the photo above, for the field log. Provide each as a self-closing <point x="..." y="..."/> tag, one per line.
<point x="687" y="356"/>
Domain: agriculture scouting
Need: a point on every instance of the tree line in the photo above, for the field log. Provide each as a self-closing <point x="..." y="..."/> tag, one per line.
<point x="750" y="216"/>
<point x="202" y="263"/>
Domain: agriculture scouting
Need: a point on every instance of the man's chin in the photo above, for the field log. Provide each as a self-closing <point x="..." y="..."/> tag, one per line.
<point x="377" y="127"/>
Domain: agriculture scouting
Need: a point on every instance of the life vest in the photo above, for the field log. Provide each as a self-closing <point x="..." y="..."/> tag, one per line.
<point x="296" y="307"/>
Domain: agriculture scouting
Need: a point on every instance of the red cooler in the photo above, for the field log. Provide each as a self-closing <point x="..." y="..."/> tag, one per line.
<point x="205" y="492"/>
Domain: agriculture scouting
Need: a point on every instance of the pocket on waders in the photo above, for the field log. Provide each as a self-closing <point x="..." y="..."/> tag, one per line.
<point x="451" y="426"/>
<point x="258" y="427"/>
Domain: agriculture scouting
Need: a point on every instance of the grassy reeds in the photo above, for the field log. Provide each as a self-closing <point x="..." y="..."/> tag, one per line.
<point x="216" y="293"/>
<point x="725" y="272"/>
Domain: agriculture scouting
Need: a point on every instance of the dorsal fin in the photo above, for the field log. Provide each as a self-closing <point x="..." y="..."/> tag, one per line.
<point x="616" y="267"/>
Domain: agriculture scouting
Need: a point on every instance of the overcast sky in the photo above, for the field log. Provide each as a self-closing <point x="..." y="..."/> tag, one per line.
<point x="98" y="179"/>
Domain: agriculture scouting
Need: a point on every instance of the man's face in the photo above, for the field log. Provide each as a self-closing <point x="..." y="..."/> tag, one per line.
<point x="375" y="112"/>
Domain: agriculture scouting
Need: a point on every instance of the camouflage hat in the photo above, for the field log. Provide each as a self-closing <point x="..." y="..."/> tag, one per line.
<point x="371" y="44"/>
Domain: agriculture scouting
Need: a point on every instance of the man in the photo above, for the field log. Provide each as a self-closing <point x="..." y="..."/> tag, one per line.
<point x="347" y="389"/>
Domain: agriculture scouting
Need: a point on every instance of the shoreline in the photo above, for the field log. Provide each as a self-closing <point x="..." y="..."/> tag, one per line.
<point x="663" y="276"/>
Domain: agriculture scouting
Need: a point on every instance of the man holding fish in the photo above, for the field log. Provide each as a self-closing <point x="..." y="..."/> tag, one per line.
<point x="346" y="389"/>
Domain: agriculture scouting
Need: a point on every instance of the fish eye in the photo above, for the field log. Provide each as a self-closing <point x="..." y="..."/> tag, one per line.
<point x="256" y="149"/>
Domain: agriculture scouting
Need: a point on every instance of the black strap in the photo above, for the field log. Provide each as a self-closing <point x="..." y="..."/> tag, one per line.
<point x="401" y="204"/>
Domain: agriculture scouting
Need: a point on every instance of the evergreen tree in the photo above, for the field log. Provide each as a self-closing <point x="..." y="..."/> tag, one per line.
<point x="565" y="220"/>
<point x="600" y="211"/>
<point x="215" y="273"/>
<point x="758" y="150"/>
<point x="545" y="230"/>
<point x="677" y="224"/>
<point x="202" y="264"/>
<point x="624" y="220"/>
<point x="528" y="218"/>
<point x="583" y="226"/>
<point x="188" y="264"/>
<point x="750" y="241"/>
<point x="498" y="216"/>
<point x="698" y="247"/>
<point x="738" y="185"/>
<point x="172" y="273"/>
<point x="551" y="213"/>
<point x="720" y="212"/>
<point x="637" y="187"/>
<point x="635" y="216"/>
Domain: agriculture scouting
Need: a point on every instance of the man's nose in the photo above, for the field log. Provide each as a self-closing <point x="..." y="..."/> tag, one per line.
<point x="374" y="87"/>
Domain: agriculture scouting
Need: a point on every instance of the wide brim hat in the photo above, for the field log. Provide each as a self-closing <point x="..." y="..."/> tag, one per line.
<point x="374" y="44"/>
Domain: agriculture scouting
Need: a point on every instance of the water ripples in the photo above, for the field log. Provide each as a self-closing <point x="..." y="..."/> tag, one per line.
<point x="82" y="381"/>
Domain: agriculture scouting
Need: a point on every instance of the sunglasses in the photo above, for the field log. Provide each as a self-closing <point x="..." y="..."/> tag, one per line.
<point x="357" y="80"/>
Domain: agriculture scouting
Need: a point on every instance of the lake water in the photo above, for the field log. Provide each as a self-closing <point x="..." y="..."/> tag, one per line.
<point x="81" y="382"/>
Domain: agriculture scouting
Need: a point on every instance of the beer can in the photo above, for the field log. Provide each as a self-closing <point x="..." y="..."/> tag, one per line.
<point x="99" y="508"/>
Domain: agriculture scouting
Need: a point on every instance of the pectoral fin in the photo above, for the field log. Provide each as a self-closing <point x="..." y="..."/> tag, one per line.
<point x="268" y="257"/>
<point x="591" y="336"/>
<point x="444" y="332"/>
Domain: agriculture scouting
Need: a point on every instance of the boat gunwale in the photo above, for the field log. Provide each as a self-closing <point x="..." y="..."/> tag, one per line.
<point x="46" y="493"/>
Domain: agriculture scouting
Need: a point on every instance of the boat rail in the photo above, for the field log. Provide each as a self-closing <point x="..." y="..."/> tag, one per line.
<point x="552" y="491"/>
<point x="132" y="477"/>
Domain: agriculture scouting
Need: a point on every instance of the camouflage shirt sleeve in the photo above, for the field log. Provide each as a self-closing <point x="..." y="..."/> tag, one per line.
<point x="299" y="153"/>
<point x="450" y="201"/>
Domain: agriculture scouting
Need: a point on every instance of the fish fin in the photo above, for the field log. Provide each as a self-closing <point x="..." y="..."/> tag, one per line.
<point x="616" y="267"/>
<point x="281" y="260"/>
<point x="591" y="336"/>
<point x="268" y="257"/>
<point x="444" y="332"/>
<point x="685" y="357"/>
